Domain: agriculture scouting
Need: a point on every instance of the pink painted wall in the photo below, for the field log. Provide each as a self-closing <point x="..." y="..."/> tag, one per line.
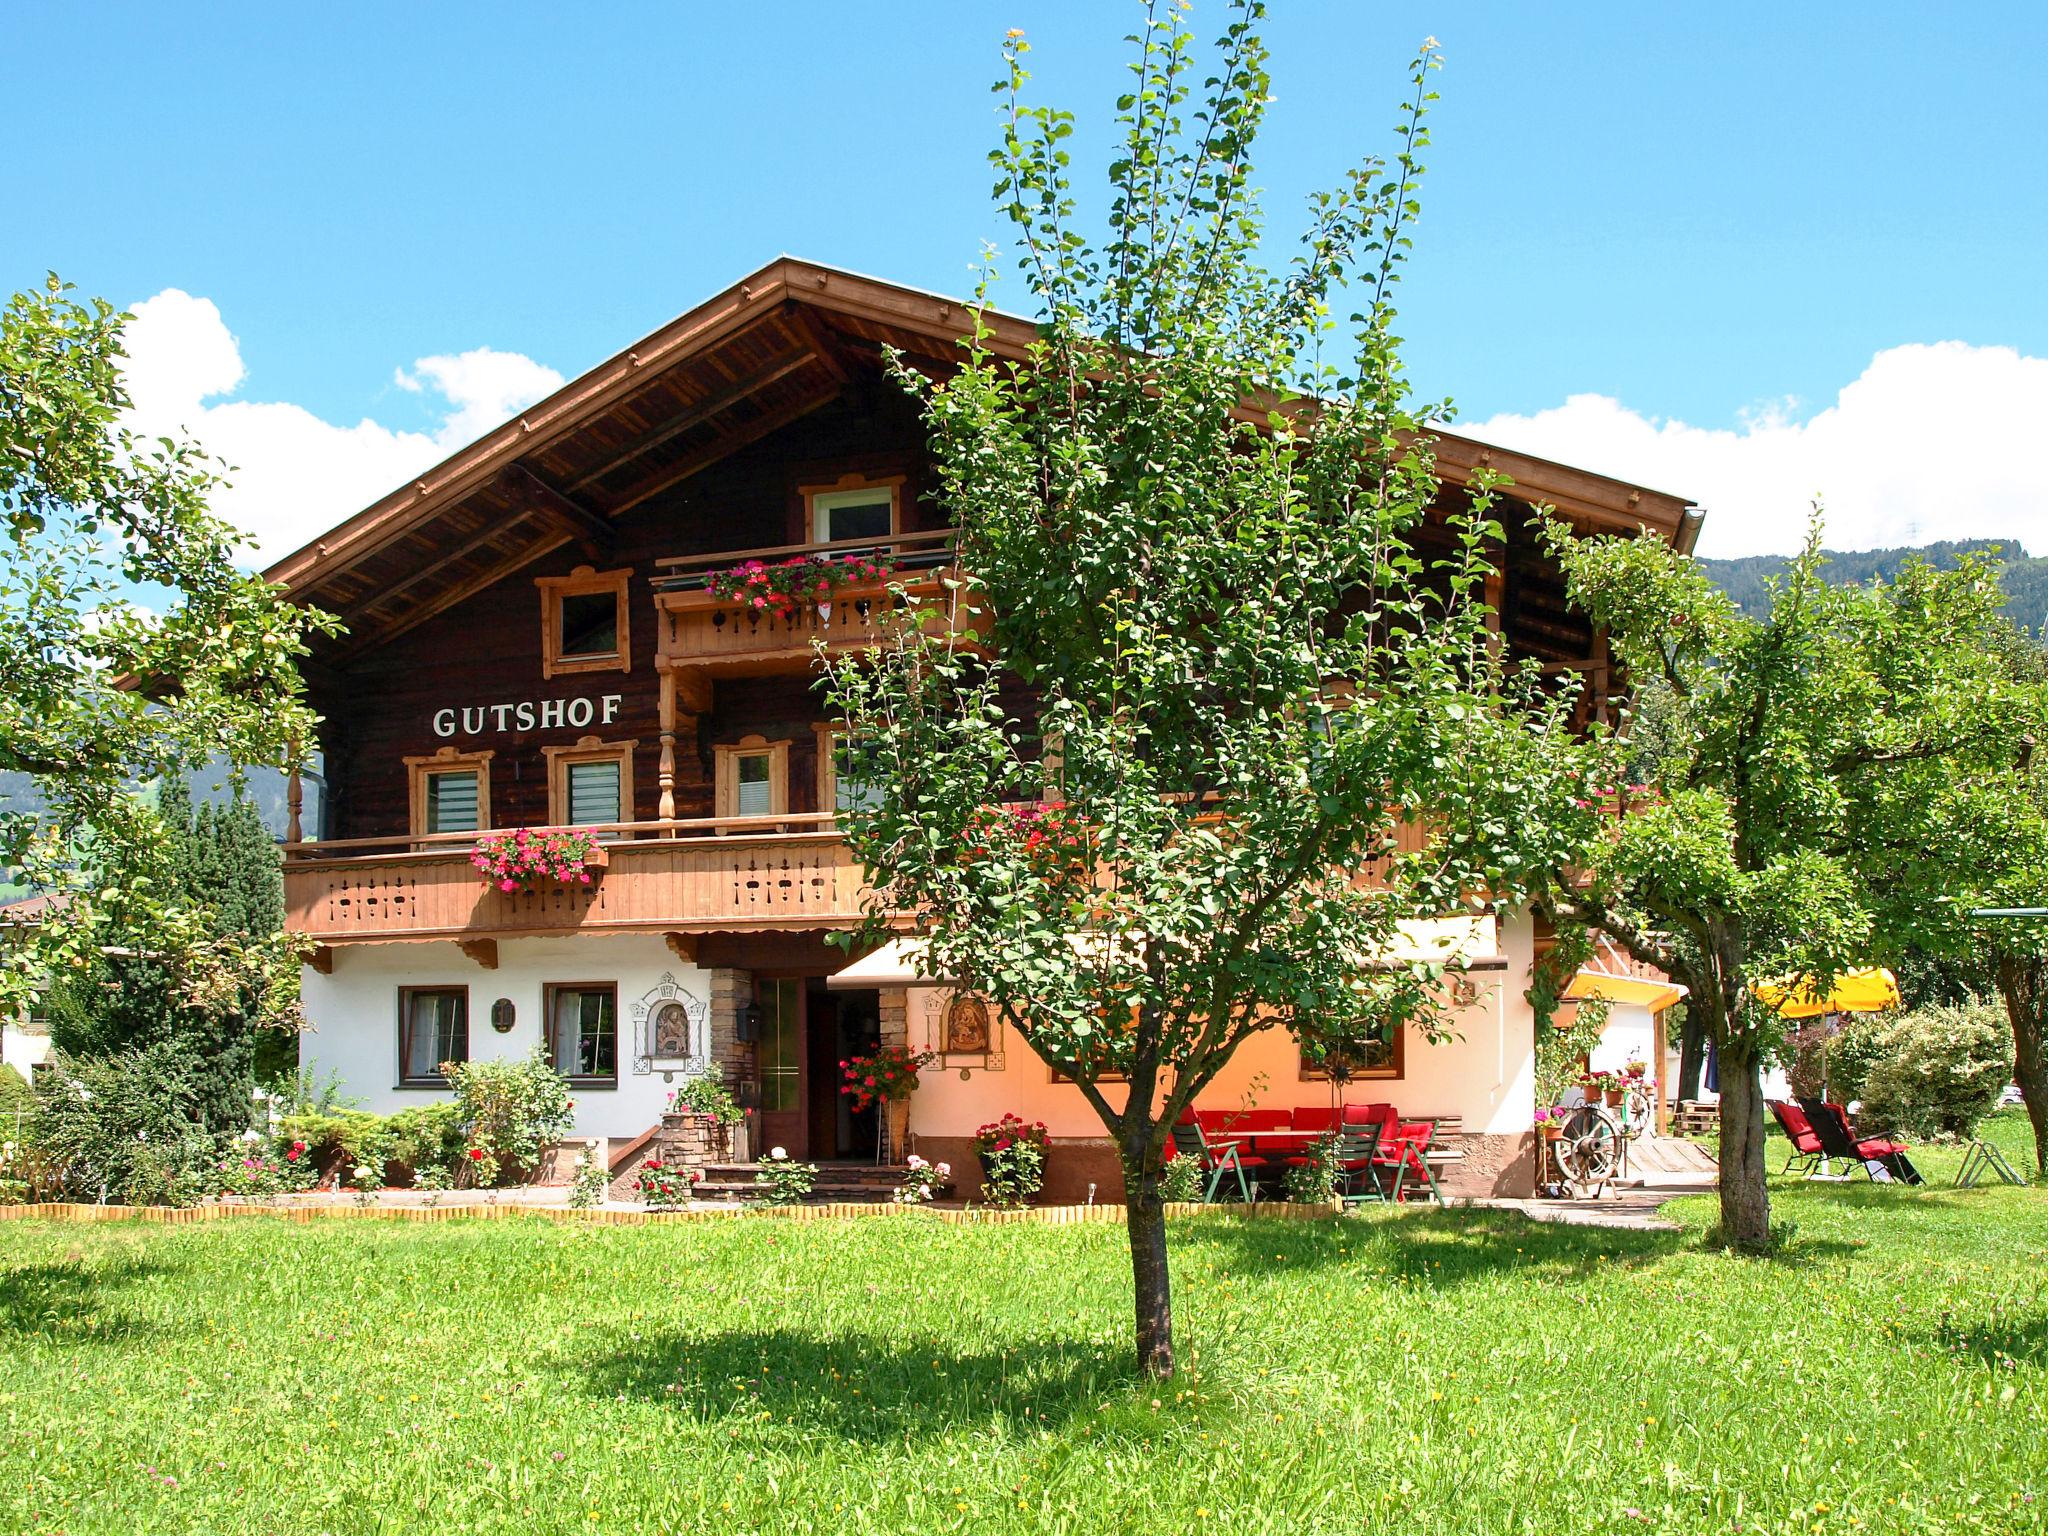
<point x="1485" y="1073"/>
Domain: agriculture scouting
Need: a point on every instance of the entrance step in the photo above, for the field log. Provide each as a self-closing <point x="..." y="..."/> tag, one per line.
<point x="841" y="1183"/>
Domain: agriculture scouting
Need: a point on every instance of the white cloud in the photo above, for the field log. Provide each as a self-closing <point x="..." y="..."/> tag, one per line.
<point x="1933" y="441"/>
<point x="296" y="475"/>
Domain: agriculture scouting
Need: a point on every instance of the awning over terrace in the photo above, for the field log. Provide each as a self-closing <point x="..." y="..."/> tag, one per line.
<point x="1452" y="941"/>
<point x="1591" y="981"/>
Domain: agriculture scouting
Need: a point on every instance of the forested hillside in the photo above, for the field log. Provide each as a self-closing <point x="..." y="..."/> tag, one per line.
<point x="2025" y="579"/>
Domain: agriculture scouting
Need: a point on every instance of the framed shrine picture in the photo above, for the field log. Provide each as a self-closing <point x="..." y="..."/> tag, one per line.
<point x="967" y="1026"/>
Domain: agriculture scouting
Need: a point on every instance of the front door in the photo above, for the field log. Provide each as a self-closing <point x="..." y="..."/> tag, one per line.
<point x="779" y="1063"/>
<point x="841" y="1025"/>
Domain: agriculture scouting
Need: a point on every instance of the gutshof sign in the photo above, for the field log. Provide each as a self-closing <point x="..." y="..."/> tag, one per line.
<point x="527" y="715"/>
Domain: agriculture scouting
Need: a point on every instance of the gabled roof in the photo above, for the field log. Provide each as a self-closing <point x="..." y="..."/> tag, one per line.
<point x="753" y="359"/>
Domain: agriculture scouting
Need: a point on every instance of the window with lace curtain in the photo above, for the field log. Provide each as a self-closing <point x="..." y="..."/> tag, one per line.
<point x="433" y="1027"/>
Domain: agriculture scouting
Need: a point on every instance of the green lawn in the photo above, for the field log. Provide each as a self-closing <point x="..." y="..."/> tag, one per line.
<point x="1411" y="1371"/>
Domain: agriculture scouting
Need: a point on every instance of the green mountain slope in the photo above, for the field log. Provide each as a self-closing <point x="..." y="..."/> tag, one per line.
<point x="2025" y="578"/>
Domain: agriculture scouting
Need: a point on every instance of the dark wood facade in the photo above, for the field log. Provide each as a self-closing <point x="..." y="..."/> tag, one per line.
<point x="699" y="439"/>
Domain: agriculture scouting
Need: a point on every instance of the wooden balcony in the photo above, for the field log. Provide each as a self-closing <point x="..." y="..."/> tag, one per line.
<point x="718" y="636"/>
<point x="677" y="877"/>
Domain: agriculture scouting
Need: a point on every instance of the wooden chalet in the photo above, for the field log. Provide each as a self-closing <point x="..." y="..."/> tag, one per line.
<point x="531" y="643"/>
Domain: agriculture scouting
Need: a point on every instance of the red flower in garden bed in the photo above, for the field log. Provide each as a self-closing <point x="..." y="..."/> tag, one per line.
<point x="1000" y="1135"/>
<point x="531" y="857"/>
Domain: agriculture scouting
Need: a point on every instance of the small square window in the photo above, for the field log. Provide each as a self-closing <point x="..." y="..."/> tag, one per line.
<point x="853" y="510"/>
<point x="583" y="1031"/>
<point x="593" y="793"/>
<point x="449" y="792"/>
<point x="433" y="1027"/>
<point x="590" y="626"/>
<point x="585" y="622"/>
<point x="868" y="518"/>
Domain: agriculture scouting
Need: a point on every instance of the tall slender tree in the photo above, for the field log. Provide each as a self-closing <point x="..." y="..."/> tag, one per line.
<point x="1190" y="517"/>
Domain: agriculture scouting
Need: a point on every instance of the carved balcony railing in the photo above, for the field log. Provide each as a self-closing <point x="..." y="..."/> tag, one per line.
<point x="720" y="635"/>
<point x="741" y="874"/>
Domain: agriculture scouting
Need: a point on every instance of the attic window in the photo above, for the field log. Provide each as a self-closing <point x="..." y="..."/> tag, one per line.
<point x="584" y="622"/>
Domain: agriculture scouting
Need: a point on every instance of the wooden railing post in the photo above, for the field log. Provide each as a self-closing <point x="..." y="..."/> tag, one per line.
<point x="665" y="810"/>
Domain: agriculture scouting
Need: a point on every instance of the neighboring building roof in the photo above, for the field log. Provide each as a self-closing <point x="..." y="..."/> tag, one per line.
<point x="760" y="355"/>
<point x="29" y="910"/>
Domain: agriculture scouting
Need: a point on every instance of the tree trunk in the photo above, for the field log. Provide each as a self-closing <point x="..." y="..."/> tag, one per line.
<point x="2023" y="983"/>
<point x="1745" y="1196"/>
<point x="1145" y="1218"/>
<point x="1691" y="1055"/>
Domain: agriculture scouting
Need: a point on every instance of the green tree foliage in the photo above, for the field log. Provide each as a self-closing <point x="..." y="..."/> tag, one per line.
<point x="131" y="647"/>
<point x="219" y="867"/>
<point x="1812" y="759"/>
<point x="130" y="1126"/>
<point x="1938" y="1070"/>
<point x="1219" y="678"/>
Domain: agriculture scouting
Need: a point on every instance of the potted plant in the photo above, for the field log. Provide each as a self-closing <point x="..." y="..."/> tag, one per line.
<point x="1549" y="1124"/>
<point x="707" y="1096"/>
<point x="531" y="857"/>
<point x="1012" y="1153"/>
<point x="1614" y="1087"/>
<point x="890" y="1076"/>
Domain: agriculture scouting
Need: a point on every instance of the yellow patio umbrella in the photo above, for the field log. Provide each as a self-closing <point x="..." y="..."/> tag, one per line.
<point x="1860" y="991"/>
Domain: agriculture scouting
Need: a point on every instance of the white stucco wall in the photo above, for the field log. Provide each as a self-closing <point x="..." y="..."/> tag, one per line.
<point x="1486" y="1073"/>
<point x="1630" y="1035"/>
<point x="354" y="1014"/>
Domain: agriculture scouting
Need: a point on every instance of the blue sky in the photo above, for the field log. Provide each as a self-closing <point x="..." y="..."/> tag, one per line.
<point x="1710" y="216"/>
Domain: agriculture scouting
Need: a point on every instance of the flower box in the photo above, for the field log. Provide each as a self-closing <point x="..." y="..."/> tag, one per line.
<point x="531" y="858"/>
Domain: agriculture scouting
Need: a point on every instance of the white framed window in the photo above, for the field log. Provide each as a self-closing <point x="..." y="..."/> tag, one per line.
<point x="590" y="784"/>
<point x="450" y="791"/>
<point x="855" y="511"/>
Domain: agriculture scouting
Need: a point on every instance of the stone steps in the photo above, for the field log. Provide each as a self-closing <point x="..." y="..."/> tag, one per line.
<point x="841" y="1183"/>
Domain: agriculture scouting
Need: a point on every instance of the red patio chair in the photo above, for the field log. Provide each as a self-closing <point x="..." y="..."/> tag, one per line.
<point x="1807" y="1152"/>
<point x="1830" y="1123"/>
<point x="1402" y="1152"/>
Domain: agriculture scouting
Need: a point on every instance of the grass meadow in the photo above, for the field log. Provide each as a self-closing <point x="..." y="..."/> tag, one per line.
<point x="1412" y="1371"/>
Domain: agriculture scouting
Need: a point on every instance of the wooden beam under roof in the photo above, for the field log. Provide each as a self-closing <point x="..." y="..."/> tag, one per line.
<point x="731" y="442"/>
<point x="695" y="416"/>
<point x="592" y="533"/>
<point x="492" y="531"/>
<point x="441" y="602"/>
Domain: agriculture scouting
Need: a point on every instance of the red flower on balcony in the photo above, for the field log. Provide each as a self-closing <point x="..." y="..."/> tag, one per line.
<point x="529" y="857"/>
<point x="783" y="587"/>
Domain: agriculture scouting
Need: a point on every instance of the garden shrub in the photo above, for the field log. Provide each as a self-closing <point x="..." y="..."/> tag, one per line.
<point x="1012" y="1153"/>
<point x="510" y="1110"/>
<point x="783" y="1180"/>
<point x="1941" y="1070"/>
<point x="1853" y="1052"/>
<point x="1314" y="1180"/>
<point x="1180" y="1181"/>
<point x="129" y="1124"/>
<point x="425" y="1136"/>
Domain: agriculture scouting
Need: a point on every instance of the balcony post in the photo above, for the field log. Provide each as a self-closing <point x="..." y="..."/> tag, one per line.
<point x="294" y="799"/>
<point x="666" y="775"/>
